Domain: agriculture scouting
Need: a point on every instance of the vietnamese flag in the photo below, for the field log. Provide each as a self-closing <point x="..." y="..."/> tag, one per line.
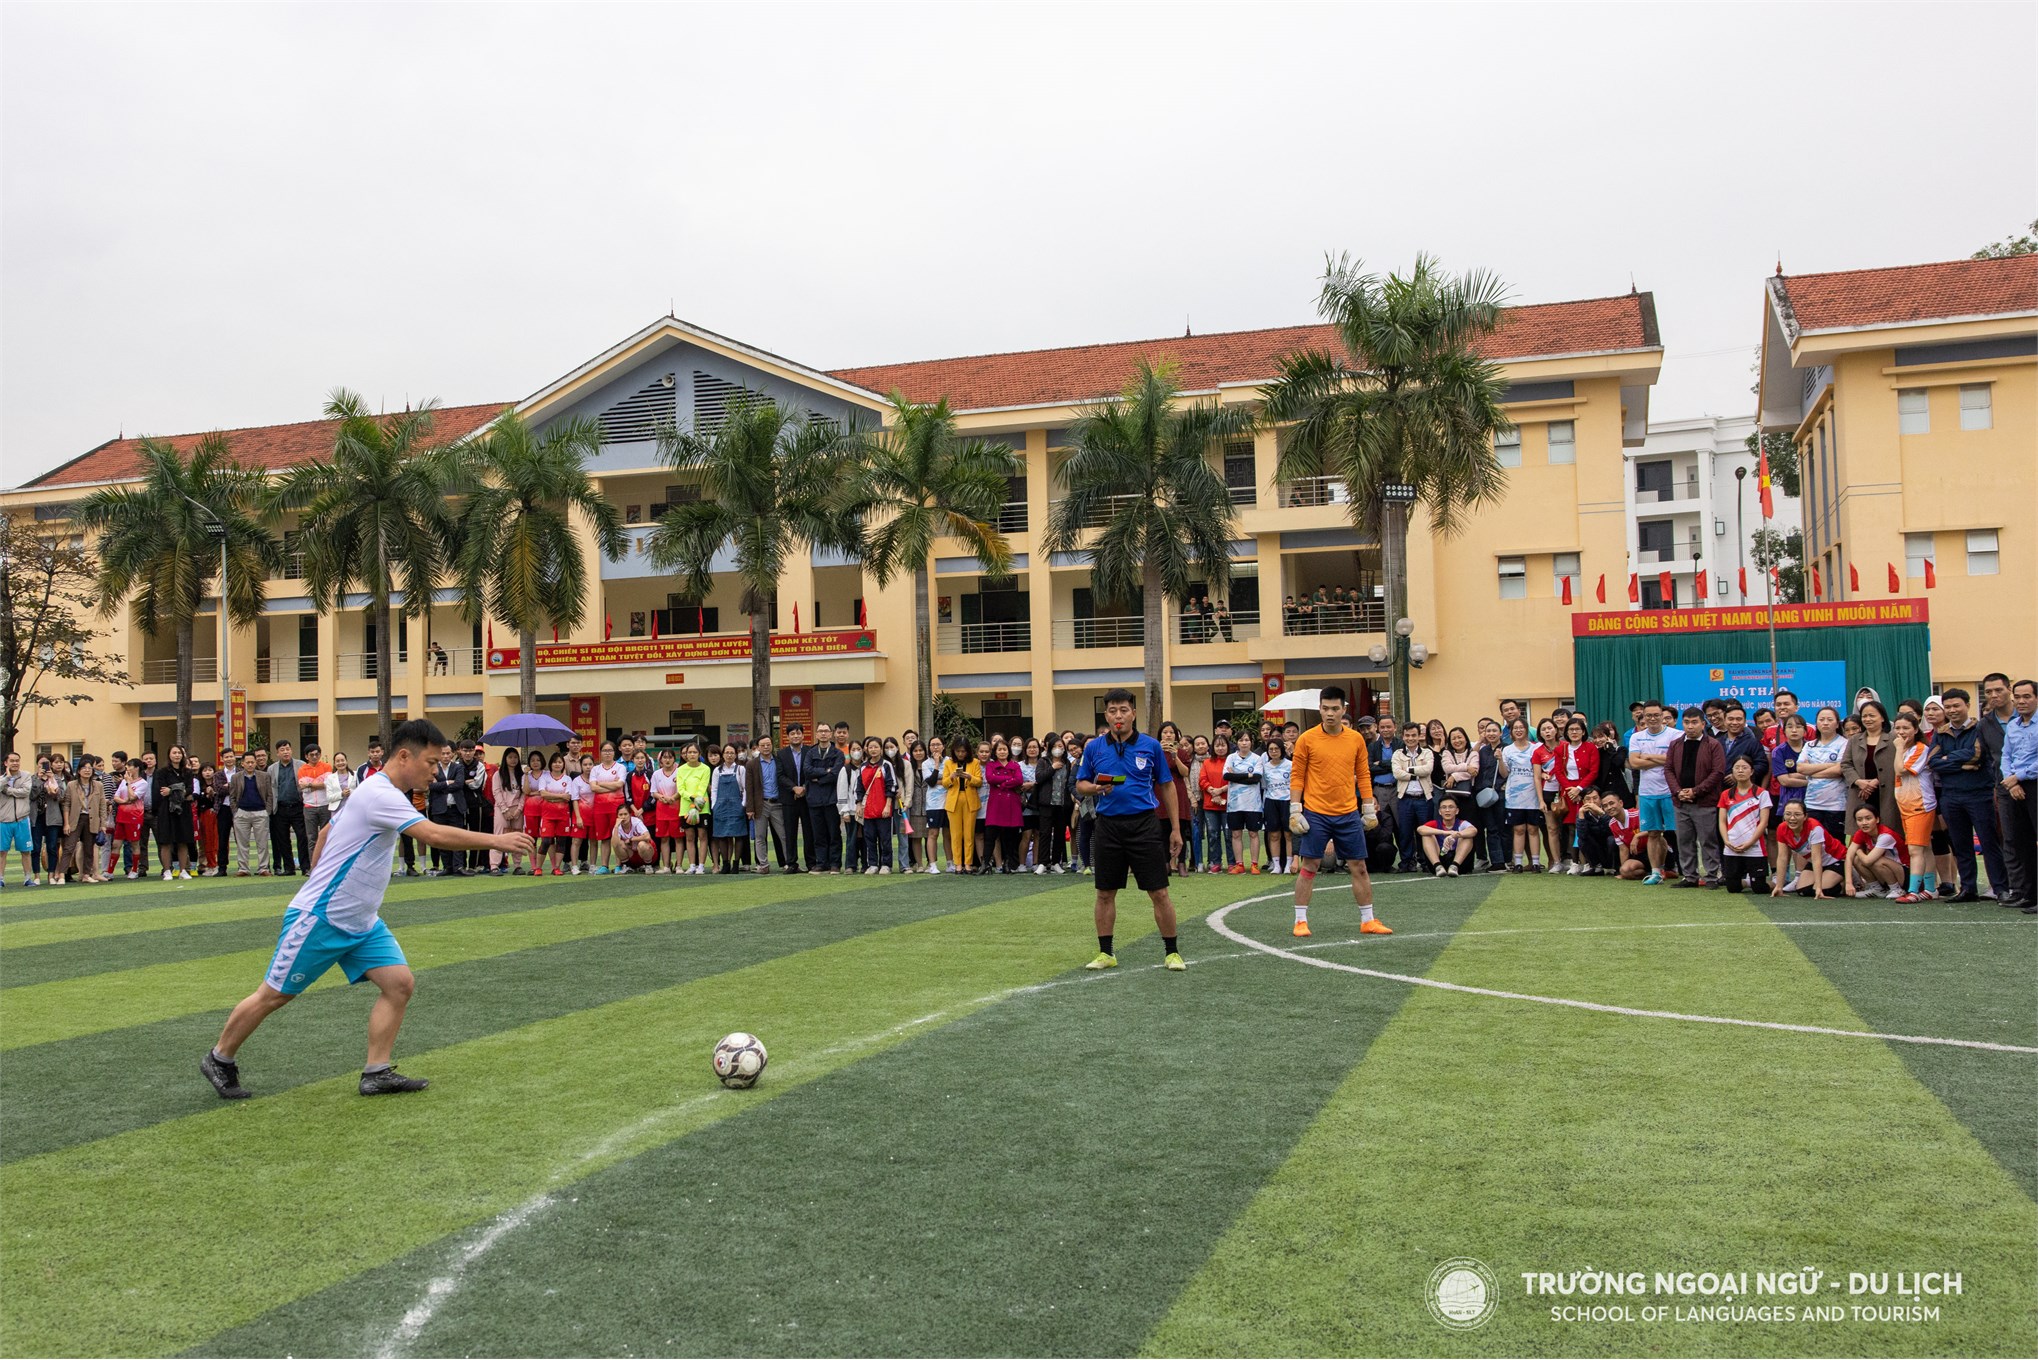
<point x="1818" y="586"/>
<point x="1762" y="482"/>
<point x="1567" y="590"/>
<point x="1698" y="585"/>
<point x="1742" y="576"/>
<point x="862" y="619"/>
<point x="1669" y="589"/>
<point x="608" y="625"/>
<point x="491" y="635"/>
<point x="1853" y="580"/>
<point x="1931" y="577"/>
<point x="1602" y="587"/>
<point x="1634" y="587"/>
<point x="654" y="624"/>
<point x="796" y="618"/>
<point x="555" y="632"/>
<point x="1896" y="584"/>
<point x="700" y="621"/>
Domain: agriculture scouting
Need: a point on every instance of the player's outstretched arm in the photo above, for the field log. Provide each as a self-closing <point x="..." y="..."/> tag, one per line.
<point x="460" y="838"/>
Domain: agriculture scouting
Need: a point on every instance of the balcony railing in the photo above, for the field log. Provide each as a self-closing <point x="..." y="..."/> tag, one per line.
<point x="1011" y="518"/>
<point x="361" y="666"/>
<point x="1105" y="511"/>
<point x="455" y="661"/>
<point x="272" y="669"/>
<point x="1244" y="495"/>
<point x="164" y="672"/>
<point x="1367" y="616"/>
<point x="293" y="566"/>
<point x="1308" y="491"/>
<point x="966" y="639"/>
<point x="1125" y="631"/>
<point x="1195" y="629"/>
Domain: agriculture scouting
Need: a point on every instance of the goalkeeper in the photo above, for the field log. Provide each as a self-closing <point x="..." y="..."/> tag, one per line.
<point x="1332" y="804"/>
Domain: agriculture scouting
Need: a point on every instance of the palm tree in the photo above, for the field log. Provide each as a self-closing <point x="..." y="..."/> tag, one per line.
<point x="1140" y="475"/>
<point x="774" y="482"/>
<point x="374" y="515"/>
<point x="158" y="544"/>
<point x="519" y="559"/>
<point x="1409" y="405"/>
<point x="922" y="480"/>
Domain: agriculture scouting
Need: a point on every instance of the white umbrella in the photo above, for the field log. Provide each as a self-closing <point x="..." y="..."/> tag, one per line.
<point x="1294" y="699"/>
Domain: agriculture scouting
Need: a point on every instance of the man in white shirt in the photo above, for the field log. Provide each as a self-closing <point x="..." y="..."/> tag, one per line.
<point x="335" y="918"/>
<point x="1649" y="752"/>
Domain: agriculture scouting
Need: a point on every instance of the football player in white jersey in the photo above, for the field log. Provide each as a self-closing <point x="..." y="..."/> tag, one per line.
<point x="335" y="920"/>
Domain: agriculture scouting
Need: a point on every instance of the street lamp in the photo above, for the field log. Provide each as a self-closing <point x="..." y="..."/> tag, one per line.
<point x="1741" y="529"/>
<point x="216" y="527"/>
<point x="1395" y="500"/>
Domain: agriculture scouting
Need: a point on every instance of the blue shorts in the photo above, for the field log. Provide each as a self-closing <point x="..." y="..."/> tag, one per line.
<point x="1659" y="812"/>
<point x="17" y="836"/>
<point x="310" y="944"/>
<point x="1344" y="830"/>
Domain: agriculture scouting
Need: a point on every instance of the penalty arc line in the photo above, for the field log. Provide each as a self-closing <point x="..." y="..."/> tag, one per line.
<point x="1216" y="921"/>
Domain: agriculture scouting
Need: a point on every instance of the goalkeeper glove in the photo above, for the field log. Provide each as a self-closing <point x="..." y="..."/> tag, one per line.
<point x="1298" y="823"/>
<point x="1368" y="817"/>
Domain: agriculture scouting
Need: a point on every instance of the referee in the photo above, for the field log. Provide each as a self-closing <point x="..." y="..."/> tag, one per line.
<point x="1125" y="768"/>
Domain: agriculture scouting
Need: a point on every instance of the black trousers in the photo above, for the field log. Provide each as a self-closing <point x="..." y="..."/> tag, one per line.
<point x="1596" y="844"/>
<point x="286" y="827"/>
<point x="824" y="836"/>
<point x="449" y="859"/>
<point x="1054" y="831"/>
<point x="1008" y="846"/>
<point x="1744" y="869"/>
<point x="480" y="814"/>
<point x="224" y="819"/>
<point x="2019" y="818"/>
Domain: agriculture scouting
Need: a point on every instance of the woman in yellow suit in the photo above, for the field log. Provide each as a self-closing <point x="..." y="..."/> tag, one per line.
<point x="962" y="774"/>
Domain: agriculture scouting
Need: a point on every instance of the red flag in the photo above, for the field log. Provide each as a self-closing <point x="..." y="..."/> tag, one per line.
<point x="1896" y="583"/>
<point x="862" y="619"/>
<point x="700" y="620"/>
<point x="1669" y="589"/>
<point x="1634" y="587"/>
<point x="1567" y="590"/>
<point x="1698" y="585"/>
<point x="608" y="625"/>
<point x="1602" y="587"/>
<point x="796" y="618"/>
<point x="1931" y="577"/>
<point x="1818" y="586"/>
<point x="1853" y="580"/>
<point x="1742" y="576"/>
<point x="555" y="632"/>
<point x="1762" y="481"/>
<point x="654" y="624"/>
<point x="491" y="635"/>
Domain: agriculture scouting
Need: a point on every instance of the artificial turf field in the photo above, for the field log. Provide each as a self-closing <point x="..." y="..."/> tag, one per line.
<point x="966" y="1145"/>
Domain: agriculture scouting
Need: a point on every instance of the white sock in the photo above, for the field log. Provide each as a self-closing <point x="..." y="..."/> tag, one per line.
<point x="1365" y="913"/>
<point x="1301" y="915"/>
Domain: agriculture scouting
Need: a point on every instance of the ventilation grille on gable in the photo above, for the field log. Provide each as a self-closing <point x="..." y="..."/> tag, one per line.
<point x="637" y="417"/>
<point x="714" y="398"/>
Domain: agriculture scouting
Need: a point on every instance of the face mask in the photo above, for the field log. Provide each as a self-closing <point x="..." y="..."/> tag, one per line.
<point x="1060" y="751"/>
<point x="891" y="750"/>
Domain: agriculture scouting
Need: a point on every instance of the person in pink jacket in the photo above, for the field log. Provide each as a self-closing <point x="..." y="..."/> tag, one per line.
<point x="1004" y="809"/>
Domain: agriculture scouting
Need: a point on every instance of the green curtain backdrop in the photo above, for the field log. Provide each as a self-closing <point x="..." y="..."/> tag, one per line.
<point x="1894" y="659"/>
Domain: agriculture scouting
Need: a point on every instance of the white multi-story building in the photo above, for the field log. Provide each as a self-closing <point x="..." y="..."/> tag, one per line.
<point x="1693" y="505"/>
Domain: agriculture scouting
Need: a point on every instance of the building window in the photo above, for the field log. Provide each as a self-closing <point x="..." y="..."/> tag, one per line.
<point x="1981" y="552"/>
<point x="1563" y="441"/>
<point x="1514" y="578"/>
<point x="1507" y="447"/>
<point x="1913" y="411"/>
<point x="1563" y="566"/>
<point x="1917" y="552"/>
<point x="1975" y="412"/>
<point x="1240" y="477"/>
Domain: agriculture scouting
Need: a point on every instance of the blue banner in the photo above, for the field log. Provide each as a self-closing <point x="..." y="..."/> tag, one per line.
<point x="1817" y="684"/>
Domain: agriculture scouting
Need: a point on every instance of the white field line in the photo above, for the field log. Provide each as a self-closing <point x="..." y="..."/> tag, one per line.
<point x="1216" y="921"/>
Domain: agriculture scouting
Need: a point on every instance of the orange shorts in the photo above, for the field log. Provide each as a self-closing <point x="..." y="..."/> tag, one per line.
<point x="1918" y="827"/>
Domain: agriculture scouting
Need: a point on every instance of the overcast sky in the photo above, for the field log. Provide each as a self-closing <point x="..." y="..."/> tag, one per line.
<point x="211" y="216"/>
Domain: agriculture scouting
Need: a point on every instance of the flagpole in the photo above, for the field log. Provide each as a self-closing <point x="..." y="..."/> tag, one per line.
<point x="1769" y="586"/>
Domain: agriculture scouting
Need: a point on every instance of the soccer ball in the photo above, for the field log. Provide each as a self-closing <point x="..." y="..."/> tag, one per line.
<point x="739" y="1060"/>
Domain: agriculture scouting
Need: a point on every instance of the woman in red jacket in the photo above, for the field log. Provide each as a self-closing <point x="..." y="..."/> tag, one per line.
<point x="1577" y="767"/>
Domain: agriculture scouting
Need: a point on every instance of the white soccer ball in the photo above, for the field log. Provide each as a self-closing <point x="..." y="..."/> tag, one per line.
<point x="739" y="1060"/>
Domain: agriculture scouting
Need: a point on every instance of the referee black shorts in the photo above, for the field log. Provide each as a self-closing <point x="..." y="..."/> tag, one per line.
<point x="1136" y="844"/>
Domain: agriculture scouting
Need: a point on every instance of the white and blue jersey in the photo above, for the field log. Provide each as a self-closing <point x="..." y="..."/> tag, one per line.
<point x="336" y="916"/>
<point x="1245" y="797"/>
<point x="1138" y="761"/>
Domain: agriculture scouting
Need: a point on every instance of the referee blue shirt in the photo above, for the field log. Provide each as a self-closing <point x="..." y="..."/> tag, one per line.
<point x="1141" y="763"/>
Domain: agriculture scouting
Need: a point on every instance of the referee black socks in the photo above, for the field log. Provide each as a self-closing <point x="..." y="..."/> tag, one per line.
<point x="1104" y="944"/>
<point x="1168" y="945"/>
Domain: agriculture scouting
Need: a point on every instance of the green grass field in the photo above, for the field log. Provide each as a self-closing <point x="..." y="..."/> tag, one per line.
<point x="965" y="1145"/>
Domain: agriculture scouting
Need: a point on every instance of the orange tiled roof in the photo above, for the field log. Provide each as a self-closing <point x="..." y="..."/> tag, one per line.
<point x="269" y="447"/>
<point x="1917" y="292"/>
<point x="1086" y="372"/>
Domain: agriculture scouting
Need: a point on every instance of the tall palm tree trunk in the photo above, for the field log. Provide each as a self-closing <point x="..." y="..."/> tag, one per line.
<point x="527" y="670"/>
<point x="760" y="670"/>
<point x="185" y="631"/>
<point x="923" y="648"/>
<point x="1156" y="688"/>
<point x="1394" y="565"/>
<point x="384" y="649"/>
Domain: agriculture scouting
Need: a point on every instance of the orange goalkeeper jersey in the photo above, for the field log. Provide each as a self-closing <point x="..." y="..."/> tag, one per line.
<point x="1327" y="770"/>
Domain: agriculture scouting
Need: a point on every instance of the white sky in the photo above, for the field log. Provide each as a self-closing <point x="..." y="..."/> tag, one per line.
<point x="211" y="216"/>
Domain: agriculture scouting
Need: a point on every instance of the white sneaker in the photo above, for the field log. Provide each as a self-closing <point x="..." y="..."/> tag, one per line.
<point x="576" y="871"/>
<point x="933" y="868"/>
<point x="1872" y="890"/>
<point x="1576" y="868"/>
<point x="1039" y="868"/>
<point x="167" y="875"/>
<point x="887" y="869"/>
<point x="700" y="868"/>
<point x="869" y="871"/>
<point x="1556" y="866"/>
<point x="185" y="874"/>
